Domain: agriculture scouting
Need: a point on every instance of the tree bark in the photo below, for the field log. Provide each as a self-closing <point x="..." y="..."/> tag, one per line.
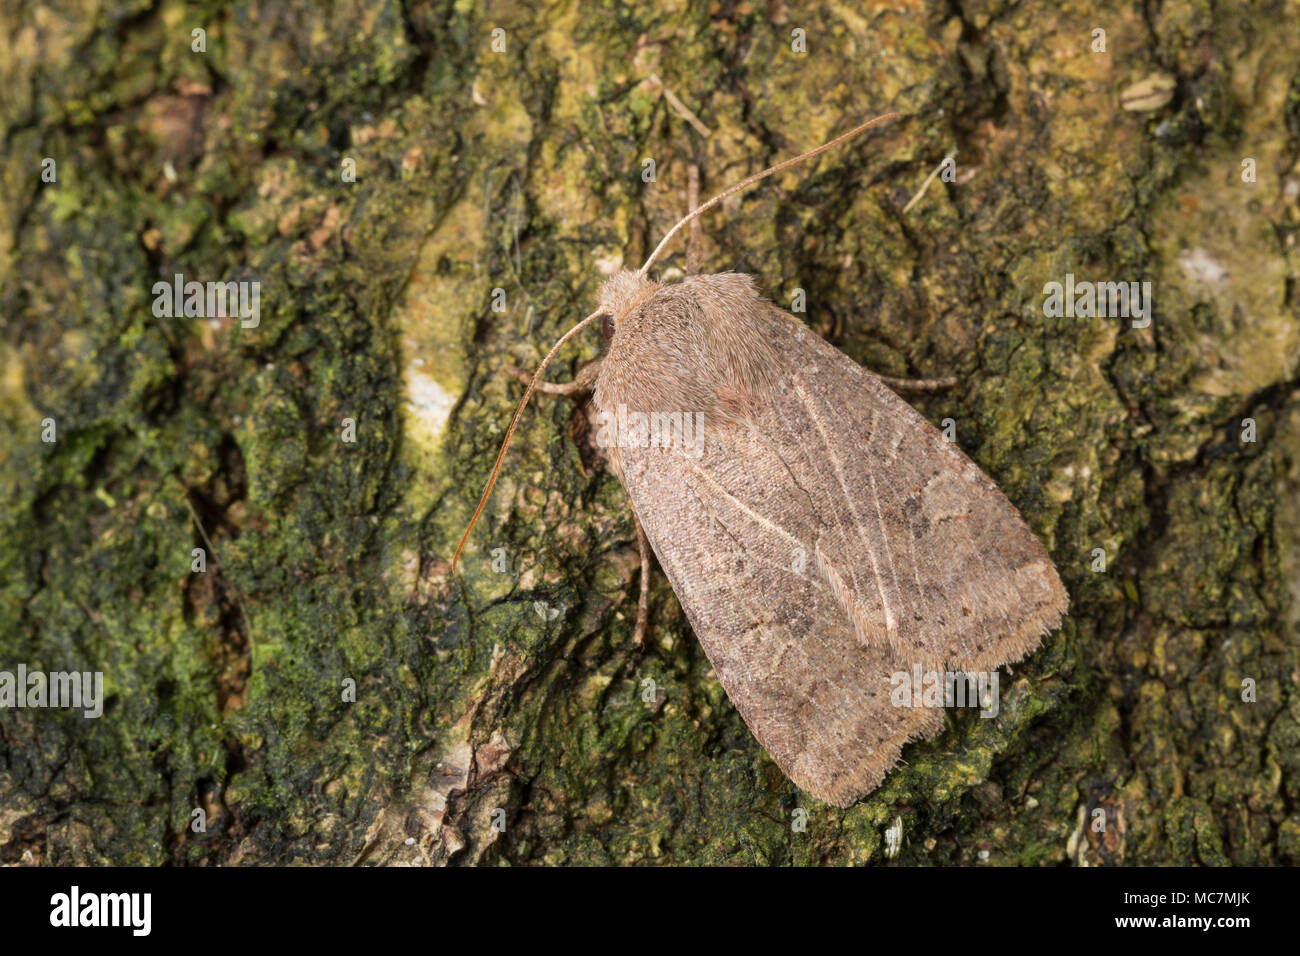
<point x="503" y="714"/>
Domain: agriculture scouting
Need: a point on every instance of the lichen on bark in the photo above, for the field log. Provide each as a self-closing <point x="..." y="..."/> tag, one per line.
<point x="506" y="717"/>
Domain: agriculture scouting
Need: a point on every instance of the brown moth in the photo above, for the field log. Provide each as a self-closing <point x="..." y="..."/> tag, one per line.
<point x="820" y="534"/>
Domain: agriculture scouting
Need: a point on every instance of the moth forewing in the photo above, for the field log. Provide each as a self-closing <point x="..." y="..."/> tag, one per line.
<point x="825" y="539"/>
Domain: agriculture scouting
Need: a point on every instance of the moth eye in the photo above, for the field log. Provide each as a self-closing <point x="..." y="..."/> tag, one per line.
<point x="607" y="326"/>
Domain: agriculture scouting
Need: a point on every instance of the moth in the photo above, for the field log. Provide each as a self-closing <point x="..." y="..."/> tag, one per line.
<point x="820" y="534"/>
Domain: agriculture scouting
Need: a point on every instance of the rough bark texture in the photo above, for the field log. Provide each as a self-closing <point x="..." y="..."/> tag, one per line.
<point x="517" y="698"/>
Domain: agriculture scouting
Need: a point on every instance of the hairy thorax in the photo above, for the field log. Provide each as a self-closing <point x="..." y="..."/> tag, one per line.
<point x="696" y="346"/>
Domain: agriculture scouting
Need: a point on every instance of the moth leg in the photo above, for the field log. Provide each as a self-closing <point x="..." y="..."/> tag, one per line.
<point x="584" y="381"/>
<point x="918" y="384"/>
<point x="643" y="602"/>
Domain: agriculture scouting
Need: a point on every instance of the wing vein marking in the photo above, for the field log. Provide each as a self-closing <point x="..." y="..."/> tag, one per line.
<point x="890" y="623"/>
<point x="812" y="507"/>
<point x="766" y="522"/>
<point x="753" y="557"/>
<point x="880" y="517"/>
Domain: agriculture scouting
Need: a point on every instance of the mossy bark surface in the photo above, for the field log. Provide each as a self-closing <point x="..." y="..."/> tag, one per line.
<point x="502" y="716"/>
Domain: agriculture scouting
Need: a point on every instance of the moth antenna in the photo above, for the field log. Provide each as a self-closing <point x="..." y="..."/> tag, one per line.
<point x="510" y="432"/>
<point x="746" y="183"/>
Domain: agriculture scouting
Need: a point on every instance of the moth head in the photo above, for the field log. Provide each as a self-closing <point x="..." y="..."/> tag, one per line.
<point x="619" y="296"/>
